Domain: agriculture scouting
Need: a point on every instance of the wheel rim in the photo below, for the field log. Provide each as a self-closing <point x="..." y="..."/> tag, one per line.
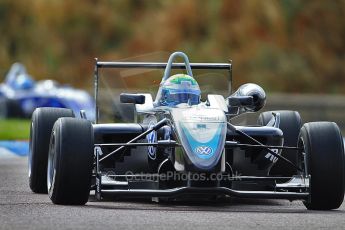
<point x="30" y="149"/>
<point x="51" y="163"/>
<point x="302" y="162"/>
<point x="302" y="158"/>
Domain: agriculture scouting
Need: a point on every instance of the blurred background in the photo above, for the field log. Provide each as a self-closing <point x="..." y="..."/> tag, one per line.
<point x="289" y="47"/>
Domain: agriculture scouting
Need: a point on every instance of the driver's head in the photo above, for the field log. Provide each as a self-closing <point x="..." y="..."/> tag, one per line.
<point x="24" y="81"/>
<point x="180" y="88"/>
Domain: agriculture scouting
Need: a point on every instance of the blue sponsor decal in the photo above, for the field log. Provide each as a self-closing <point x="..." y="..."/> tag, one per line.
<point x="151" y="138"/>
<point x="203" y="150"/>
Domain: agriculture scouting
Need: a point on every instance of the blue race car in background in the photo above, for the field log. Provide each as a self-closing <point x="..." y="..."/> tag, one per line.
<point x="20" y="95"/>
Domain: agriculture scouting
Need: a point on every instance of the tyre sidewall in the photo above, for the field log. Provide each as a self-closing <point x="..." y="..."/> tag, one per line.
<point x="73" y="154"/>
<point x="324" y="151"/>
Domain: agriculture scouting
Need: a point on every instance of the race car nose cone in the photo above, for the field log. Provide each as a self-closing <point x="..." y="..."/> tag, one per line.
<point x="202" y="135"/>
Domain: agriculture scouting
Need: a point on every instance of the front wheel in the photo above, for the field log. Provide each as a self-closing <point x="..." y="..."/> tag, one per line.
<point x="324" y="155"/>
<point x="70" y="161"/>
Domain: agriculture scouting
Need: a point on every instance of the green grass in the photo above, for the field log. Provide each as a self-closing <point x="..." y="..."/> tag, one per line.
<point x="14" y="129"/>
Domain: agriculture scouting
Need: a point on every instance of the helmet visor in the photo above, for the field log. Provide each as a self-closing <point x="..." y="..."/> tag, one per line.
<point x="175" y="97"/>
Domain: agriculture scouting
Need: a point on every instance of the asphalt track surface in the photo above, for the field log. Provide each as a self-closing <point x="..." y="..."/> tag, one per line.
<point x="22" y="209"/>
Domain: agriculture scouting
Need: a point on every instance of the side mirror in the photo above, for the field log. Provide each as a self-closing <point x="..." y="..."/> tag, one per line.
<point x="240" y="101"/>
<point x="132" y="98"/>
<point x="250" y="90"/>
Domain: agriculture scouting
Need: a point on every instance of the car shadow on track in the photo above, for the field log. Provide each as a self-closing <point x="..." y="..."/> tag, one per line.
<point x="200" y="205"/>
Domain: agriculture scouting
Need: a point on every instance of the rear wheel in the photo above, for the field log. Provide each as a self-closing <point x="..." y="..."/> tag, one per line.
<point x="70" y="161"/>
<point x="290" y="124"/>
<point x="42" y="123"/>
<point x="324" y="155"/>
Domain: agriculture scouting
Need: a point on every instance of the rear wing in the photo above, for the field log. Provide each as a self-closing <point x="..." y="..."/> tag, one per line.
<point x="155" y="65"/>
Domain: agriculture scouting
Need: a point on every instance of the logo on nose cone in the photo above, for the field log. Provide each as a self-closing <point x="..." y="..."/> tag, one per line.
<point x="203" y="150"/>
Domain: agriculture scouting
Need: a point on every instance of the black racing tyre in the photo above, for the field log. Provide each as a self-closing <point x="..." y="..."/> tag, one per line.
<point x="43" y="120"/>
<point x="10" y="108"/>
<point x="70" y="161"/>
<point x="290" y="124"/>
<point x="324" y="156"/>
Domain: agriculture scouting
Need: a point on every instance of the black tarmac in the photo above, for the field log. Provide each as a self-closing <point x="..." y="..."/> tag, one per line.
<point x="22" y="209"/>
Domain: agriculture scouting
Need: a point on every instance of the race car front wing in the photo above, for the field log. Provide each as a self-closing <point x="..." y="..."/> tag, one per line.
<point x="296" y="187"/>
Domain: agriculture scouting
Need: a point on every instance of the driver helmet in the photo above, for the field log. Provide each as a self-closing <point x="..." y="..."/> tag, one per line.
<point x="180" y="88"/>
<point x="24" y="81"/>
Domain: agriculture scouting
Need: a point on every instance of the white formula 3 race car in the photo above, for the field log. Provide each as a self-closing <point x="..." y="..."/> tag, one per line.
<point x="182" y="147"/>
